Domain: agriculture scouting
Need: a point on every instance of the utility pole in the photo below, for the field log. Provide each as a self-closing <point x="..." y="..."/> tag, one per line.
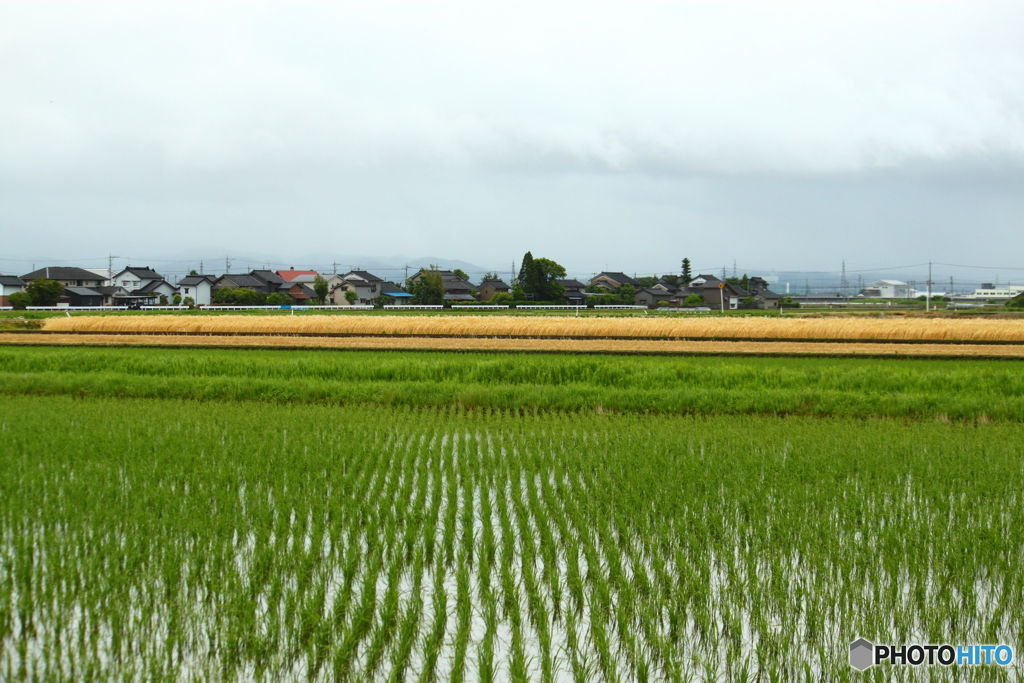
<point x="201" y="268"/>
<point x="928" y="299"/>
<point x="110" y="268"/>
<point x="227" y="265"/>
<point x="843" y="284"/>
<point x="335" y="264"/>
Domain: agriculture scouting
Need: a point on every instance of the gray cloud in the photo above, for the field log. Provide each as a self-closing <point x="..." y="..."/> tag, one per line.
<point x="596" y="130"/>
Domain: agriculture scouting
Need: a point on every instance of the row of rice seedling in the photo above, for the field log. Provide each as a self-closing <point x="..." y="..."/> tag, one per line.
<point x="759" y="327"/>
<point x="915" y="389"/>
<point x="169" y="540"/>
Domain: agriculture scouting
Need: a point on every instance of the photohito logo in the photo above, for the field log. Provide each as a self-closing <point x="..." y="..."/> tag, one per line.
<point x="864" y="654"/>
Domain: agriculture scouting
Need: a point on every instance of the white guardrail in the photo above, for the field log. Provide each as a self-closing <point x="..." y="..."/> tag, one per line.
<point x="477" y="307"/>
<point x="564" y="308"/>
<point x="693" y="309"/>
<point x="77" y="308"/>
<point x="630" y="307"/>
<point x="226" y="307"/>
<point x="413" y="307"/>
<point x="164" y="308"/>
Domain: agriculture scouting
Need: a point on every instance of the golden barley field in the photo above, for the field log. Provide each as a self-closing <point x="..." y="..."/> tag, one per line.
<point x="641" y="327"/>
<point x="706" y="347"/>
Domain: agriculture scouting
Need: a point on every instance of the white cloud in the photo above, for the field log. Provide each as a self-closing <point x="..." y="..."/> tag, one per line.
<point x="659" y="87"/>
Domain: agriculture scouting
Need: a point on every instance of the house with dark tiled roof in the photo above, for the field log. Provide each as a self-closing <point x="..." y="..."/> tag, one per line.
<point x="145" y="283"/>
<point x="764" y="298"/>
<point x="488" y="288"/>
<point x="199" y="288"/>
<point x="653" y="296"/>
<point x="83" y="296"/>
<point x="715" y="293"/>
<point x="366" y="285"/>
<point x="69" y="276"/>
<point x="575" y="292"/>
<point x="9" y="284"/>
<point x="455" y="287"/>
<point x="612" y="281"/>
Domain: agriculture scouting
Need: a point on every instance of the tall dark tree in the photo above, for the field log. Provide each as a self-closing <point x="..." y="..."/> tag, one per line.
<point x="687" y="277"/>
<point x="527" y="275"/>
<point x="538" y="277"/>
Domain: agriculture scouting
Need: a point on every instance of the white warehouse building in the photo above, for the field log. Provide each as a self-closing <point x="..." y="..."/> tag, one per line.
<point x="888" y="289"/>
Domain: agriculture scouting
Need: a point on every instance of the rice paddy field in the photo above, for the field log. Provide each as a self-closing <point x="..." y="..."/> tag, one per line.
<point x="224" y="515"/>
<point x="861" y="328"/>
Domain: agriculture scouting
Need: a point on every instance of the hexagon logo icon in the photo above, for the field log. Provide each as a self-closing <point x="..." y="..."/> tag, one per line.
<point x="862" y="654"/>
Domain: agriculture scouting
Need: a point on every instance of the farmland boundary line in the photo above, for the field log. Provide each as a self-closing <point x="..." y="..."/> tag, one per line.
<point x="404" y="335"/>
<point x="570" y="352"/>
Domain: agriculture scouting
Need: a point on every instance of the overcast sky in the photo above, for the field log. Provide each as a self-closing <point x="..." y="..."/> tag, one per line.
<point x="778" y="134"/>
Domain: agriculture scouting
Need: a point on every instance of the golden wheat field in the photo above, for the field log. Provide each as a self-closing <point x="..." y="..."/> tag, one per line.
<point x="707" y="347"/>
<point x="941" y="329"/>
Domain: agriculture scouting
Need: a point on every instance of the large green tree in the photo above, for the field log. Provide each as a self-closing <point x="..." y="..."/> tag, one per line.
<point x="539" y="277"/>
<point x="320" y="287"/>
<point x="429" y="289"/>
<point x="45" y="292"/>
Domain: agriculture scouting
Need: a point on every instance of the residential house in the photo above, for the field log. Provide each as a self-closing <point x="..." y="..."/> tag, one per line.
<point x="9" y="284"/>
<point x="455" y="287"/>
<point x="367" y="287"/>
<point x="69" y="276"/>
<point x="764" y="298"/>
<point x="199" y="288"/>
<point x="651" y="297"/>
<point x="662" y="283"/>
<point x="575" y="292"/>
<point x="300" y="292"/>
<point x="83" y="296"/>
<point x="132" y="278"/>
<point x="272" y="281"/>
<point x="115" y="295"/>
<point x="292" y="274"/>
<point x="612" y="281"/>
<point x="488" y="288"/>
<point x="728" y="296"/>
<point x="240" y="281"/>
<point x="145" y="284"/>
<point x="396" y="294"/>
